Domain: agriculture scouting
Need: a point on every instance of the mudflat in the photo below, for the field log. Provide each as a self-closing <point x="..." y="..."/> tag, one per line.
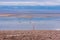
<point x="30" y="35"/>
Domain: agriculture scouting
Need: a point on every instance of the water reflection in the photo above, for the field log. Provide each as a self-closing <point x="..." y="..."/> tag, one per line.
<point x="13" y="23"/>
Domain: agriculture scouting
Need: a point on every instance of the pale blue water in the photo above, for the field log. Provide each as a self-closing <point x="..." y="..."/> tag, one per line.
<point x="29" y="9"/>
<point x="13" y="23"/>
<point x="6" y="7"/>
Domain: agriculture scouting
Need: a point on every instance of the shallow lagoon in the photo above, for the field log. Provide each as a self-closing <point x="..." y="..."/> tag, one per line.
<point x="14" y="23"/>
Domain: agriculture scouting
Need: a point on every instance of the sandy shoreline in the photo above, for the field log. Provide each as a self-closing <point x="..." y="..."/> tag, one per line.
<point x="30" y="35"/>
<point x="30" y="15"/>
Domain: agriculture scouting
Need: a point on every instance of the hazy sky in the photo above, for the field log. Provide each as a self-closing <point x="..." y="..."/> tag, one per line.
<point x="31" y="2"/>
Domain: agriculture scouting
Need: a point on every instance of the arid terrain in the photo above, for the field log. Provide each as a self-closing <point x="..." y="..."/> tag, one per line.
<point x="30" y="15"/>
<point x="30" y="35"/>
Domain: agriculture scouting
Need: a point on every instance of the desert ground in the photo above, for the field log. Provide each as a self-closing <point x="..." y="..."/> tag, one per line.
<point x="30" y="15"/>
<point x="30" y="35"/>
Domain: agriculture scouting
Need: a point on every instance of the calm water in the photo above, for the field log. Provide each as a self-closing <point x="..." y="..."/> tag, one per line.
<point x="13" y="23"/>
<point x="29" y="9"/>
